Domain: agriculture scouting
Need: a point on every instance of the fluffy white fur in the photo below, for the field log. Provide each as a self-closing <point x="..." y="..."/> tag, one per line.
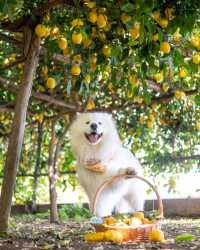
<point x="124" y="196"/>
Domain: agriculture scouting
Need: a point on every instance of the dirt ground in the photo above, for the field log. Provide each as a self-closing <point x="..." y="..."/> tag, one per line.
<point x="36" y="233"/>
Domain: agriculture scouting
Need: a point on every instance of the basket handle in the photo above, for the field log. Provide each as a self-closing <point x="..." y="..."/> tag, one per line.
<point x="117" y="177"/>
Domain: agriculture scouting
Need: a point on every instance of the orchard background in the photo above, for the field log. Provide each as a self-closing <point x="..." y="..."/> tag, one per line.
<point x="139" y="60"/>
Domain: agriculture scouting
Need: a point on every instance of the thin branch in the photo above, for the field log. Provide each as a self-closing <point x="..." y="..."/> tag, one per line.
<point x="13" y="88"/>
<point x="16" y="62"/>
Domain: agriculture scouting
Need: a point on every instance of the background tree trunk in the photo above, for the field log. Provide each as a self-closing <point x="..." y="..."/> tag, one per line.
<point x="52" y="174"/>
<point x="16" y="138"/>
<point x="37" y="166"/>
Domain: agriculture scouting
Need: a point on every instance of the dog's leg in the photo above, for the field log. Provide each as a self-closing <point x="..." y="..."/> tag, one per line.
<point x="136" y="195"/>
<point x="107" y="203"/>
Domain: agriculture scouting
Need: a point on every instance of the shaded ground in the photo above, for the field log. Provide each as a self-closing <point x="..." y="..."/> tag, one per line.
<point x="26" y="232"/>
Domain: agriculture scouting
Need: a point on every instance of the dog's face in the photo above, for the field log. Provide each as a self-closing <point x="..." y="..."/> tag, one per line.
<point x="92" y="128"/>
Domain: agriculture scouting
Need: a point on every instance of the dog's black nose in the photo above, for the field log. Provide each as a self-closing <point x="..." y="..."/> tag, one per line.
<point x="93" y="126"/>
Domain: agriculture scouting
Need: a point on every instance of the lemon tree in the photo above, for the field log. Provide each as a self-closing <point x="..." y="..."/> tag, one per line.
<point x="139" y="60"/>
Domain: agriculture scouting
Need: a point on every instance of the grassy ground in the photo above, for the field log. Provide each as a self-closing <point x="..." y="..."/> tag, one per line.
<point x="35" y="232"/>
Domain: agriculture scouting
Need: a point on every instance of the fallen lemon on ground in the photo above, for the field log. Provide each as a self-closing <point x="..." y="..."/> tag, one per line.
<point x="99" y="236"/>
<point x="156" y="235"/>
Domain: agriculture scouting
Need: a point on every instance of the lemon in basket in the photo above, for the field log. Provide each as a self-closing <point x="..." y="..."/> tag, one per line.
<point x="139" y="215"/>
<point x="110" y="221"/>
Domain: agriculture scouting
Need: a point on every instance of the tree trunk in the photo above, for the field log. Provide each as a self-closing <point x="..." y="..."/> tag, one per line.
<point x="16" y="138"/>
<point x="54" y="218"/>
<point x="37" y="166"/>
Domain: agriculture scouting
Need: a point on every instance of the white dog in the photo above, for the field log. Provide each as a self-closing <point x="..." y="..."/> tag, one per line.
<point x="95" y="142"/>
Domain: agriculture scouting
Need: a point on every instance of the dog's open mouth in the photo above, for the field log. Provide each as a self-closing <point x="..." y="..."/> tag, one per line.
<point x="93" y="137"/>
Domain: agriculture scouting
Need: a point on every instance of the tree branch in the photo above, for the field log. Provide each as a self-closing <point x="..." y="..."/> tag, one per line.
<point x="13" y="88"/>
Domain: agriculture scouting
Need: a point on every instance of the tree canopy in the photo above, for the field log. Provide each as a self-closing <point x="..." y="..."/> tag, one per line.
<point x="139" y="60"/>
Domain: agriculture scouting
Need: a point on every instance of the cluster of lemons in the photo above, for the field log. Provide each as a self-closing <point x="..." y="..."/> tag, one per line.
<point x="156" y="235"/>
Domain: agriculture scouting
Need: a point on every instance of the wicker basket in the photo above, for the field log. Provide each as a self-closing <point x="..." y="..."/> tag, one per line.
<point x="130" y="233"/>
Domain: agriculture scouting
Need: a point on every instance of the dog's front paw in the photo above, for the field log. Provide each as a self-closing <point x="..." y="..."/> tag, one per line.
<point x="127" y="171"/>
<point x="131" y="171"/>
<point x="98" y="168"/>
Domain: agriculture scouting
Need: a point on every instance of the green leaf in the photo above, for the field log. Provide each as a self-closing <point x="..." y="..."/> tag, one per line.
<point x="197" y="99"/>
<point x="185" y="237"/>
<point x="128" y="7"/>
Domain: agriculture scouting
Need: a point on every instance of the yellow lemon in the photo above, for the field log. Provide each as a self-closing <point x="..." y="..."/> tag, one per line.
<point x="90" y="4"/>
<point x="125" y="17"/>
<point x="39" y="118"/>
<point x="198" y="126"/>
<point x="75" y="70"/>
<point x="156" y="15"/>
<point x="142" y="120"/>
<point x="180" y="95"/>
<point x="66" y="51"/>
<point x="87" y="42"/>
<point x="183" y="72"/>
<point x="114" y="236"/>
<point x="87" y="78"/>
<point x="77" y="23"/>
<point x="98" y="236"/>
<point x="146" y="221"/>
<point x="50" y="83"/>
<point x="45" y="70"/>
<point x="158" y="77"/>
<point x="196" y="58"/>
<point x="106" y="50"/>
<point x="90" y="104"/>
<point x="62" y="43"/>
<point x="93" y="59"/>
<point x="150" y="124"/>
<point x="77" y="38"/>
<point x="77" y="58"/>
<point x="156" y="235"/>
<point x="134" y="81"/>
<point x="54" y="31"/>
<point x="110" y="221"/>
<point x="135" y="31"/>
<point x="101" y="21"/>
<point x="163" y="22"/>
<point x="165" y="47"/>
<point x="92" y="16"/>
<point x="177" y="36"/>
<point x="155" y="37"/>
<point x="169" y="13"/>
<point x="165" y="86"/>
<point x="41" y="30"/>
<point x="195" y="41"/>
<point x="139" y="215"/>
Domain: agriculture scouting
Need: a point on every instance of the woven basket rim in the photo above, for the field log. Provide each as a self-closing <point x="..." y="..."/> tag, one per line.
<point x="127" y="227"/>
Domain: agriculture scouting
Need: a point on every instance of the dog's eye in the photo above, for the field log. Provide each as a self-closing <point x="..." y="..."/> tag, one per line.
<point x="87" y="122"/>
<point x="99" y="123"/>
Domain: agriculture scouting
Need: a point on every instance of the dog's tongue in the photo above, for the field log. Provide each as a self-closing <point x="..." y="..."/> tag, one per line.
<point x="93" y="138"/>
